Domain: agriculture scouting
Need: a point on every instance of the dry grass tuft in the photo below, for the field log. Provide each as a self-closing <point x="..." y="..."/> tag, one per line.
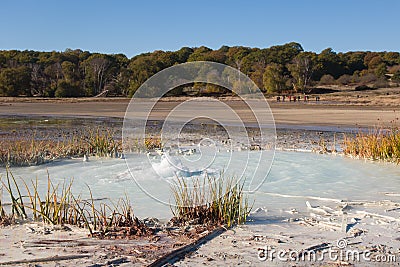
<point x="379" y="144"/>
<point x="60" y="206"/>
<point x="212" y="201"/>
<point x="32" y="150"/>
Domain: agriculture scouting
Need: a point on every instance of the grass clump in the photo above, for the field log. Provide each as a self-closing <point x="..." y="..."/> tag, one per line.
<point x="17" y="208"/>
<point x="153" y="142"/>
<point x="102" y="143"/>
<point x="210" y="201"/>
<point x="60" y="206"/>
<point x="35" y="150"/>
<point x="379" y="144"/>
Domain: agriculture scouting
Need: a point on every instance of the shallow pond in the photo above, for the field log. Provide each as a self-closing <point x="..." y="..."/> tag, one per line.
<point x="294" y="177"/>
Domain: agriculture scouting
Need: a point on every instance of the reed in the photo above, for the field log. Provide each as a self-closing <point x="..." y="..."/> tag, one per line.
<point x="17" y="203"/>
<point x="378" y="144"/>
<point x="101" y="143"/>
<point x="153" y="142"/>
<point x="5" y="219"/>
<point x="59" y="206"/>
<point x="54" y="207"/>
<point x="210" y="200"/>
<point x="33" y="150"/>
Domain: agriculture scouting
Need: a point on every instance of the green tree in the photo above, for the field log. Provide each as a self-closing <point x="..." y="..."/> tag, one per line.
<point x="381" y="70"/>
<point x="70" y="72"/>
<point x="96" y="73"/>
<point x="53" y="74"/>
<point x="2" y="60"/>
<point x="140" y="69"/>
<point x="200" y="54"/>
<point x="391" y="58"/>
<point x="15" y="81"/>
<point x="352" y="61"/>
<point x="183" y="54"/>
<point x="301" y="69"/>
<point x="330" y="63"/>
<point x="273" y="78"/>
<point x="39" y="83"/>
<point x="396" y="77"/>
<point x="282" y="54"/>
<point x="93" y="73"/>
<point x="211" y="87"/>
<point x="235" y="55"/>
<point x="66" y="89"/>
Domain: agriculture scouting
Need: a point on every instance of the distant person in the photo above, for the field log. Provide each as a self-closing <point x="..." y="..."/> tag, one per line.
<point x="283" y="98"/>
<point x="278" y="99"/>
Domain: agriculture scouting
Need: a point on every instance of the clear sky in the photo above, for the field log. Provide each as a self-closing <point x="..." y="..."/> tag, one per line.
<point x="133" y="27"/>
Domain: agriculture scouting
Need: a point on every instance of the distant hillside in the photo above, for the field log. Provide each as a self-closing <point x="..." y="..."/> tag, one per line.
<point x="287" y="67"/>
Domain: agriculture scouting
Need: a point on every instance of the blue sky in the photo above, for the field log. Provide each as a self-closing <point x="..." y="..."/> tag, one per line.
<point x="133" y="27"/>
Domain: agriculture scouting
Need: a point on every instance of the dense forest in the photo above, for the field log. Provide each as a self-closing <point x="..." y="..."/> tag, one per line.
<point x="75" y="73"/>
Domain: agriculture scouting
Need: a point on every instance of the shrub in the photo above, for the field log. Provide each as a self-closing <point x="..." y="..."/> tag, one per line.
<point x="363" y="88"/>
<point x="355" y="78"/>
<point x="396" y="77"/>
<point x="345" y="79"/>
<point x="327" y="79"/>
<point x="368" y="78"/>
<point x="381" y="83"/>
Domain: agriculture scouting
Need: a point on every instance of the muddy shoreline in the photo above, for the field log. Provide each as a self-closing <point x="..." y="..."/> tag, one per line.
<point x="288" y="114"/>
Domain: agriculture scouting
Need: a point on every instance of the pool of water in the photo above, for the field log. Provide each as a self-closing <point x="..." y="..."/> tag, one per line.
<point x="294" y="177"/>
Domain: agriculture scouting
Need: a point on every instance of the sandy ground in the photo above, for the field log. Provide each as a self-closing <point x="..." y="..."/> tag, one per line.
<point x="359" y="234"/>
<point x="305" y="114"/>
<point x="46" y="245"/>
<point x="334" y="233"/>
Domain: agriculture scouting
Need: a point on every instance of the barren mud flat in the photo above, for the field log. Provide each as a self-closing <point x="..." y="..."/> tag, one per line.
<point x="300" y="114"/>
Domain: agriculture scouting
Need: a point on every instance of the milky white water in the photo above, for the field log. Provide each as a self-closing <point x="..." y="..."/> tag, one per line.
<point x="294" y="178"/>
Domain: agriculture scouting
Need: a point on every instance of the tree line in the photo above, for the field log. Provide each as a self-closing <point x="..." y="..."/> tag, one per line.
<point x="76" y="73"/>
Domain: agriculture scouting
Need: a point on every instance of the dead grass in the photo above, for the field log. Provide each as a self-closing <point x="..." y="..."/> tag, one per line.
<point x="378" y="144"/>
<point x="60" y="206"/>
<point x="30" y="150"/>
